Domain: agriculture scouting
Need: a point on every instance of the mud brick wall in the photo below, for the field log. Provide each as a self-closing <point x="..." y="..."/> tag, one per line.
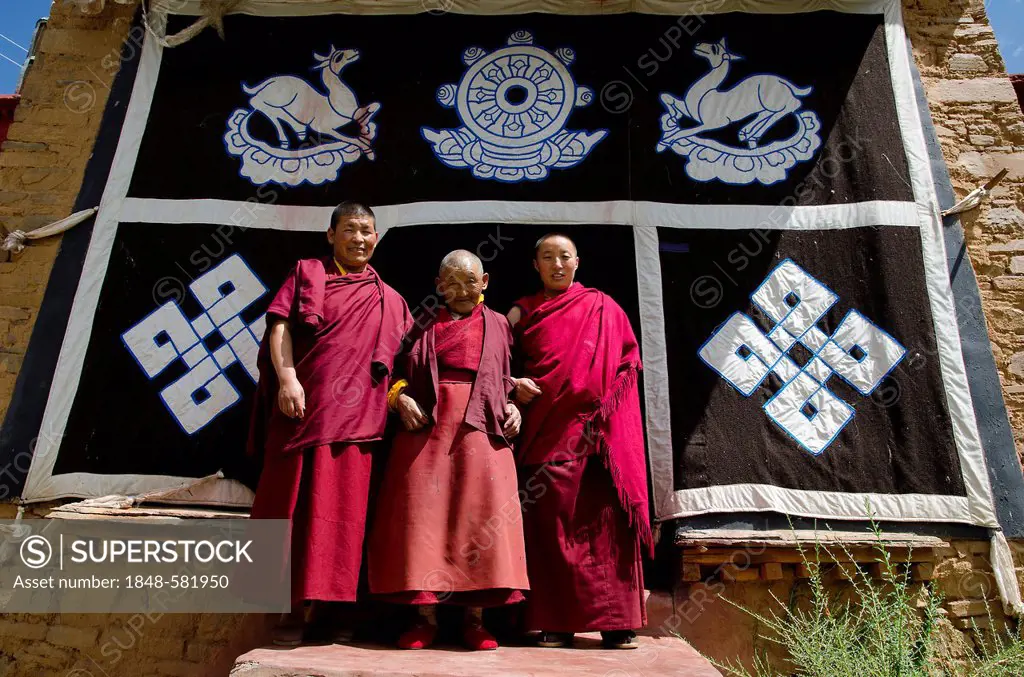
<point x="43" y="159"/>
<point x="981" y="129"/>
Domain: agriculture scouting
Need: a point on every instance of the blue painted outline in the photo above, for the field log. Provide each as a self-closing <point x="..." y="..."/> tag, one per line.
<point x="198" y="346"/>
<point x="886" y="374"/>
<point x="753" y="354"/>
<point x="690" y="116"/>
<point x="831" y="371"/>
<point x="127" y="347"/>
<point x="252" y="111"/>
<point x="813" y="325"/>
<point x="832" y="439"/>
<point x="815" y="355"/>
<point x="220" y="372"/>
<point x="783" y="319"/>
<point x="240" y="321"/>
<point x="180" y="356"/>
<point x="464" y="127"/>
<point x="231" y="350"/>
<point x="213" y="327"/>
<point x="221" y="299"/>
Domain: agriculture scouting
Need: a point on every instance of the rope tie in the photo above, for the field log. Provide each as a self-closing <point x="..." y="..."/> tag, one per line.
<point x="212" y="14"/>
<point x="15" y="242"/>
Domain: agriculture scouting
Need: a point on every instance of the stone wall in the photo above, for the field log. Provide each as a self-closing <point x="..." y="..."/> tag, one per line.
<point x="699" y="610"/>
<point x="126" y="645"/>
<point x="43" y="159"/>
<point x="981" y="128"/>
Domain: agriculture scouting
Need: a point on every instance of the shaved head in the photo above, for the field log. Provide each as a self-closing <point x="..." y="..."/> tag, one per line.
<point x="461" y="281"/>
<point x="461" y="259"/>
<point x="551" y="236"/>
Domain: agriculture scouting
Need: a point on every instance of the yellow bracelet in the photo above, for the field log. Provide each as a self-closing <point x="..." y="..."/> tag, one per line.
<point x="395" y="392"/>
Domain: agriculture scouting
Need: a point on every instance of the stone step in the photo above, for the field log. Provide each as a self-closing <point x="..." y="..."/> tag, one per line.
<point x="656" y="656"/>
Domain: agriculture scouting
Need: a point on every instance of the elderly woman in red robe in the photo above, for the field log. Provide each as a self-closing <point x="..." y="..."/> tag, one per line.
<point x="333" y="332"/>
<point x="581" y="456"/>
<point x="448" y="526"/>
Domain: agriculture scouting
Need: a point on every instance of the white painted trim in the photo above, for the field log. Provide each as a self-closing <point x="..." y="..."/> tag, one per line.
<point x="657" y="405"/>
<point x="947" y="332"/>
<point x="115" y="207"/>
<point x="974" y="466"/>
<point x="41" y="484"/>
<point x="614" y="212"/>
<point x="578" y="7"/>
<point x="733" y="498"/>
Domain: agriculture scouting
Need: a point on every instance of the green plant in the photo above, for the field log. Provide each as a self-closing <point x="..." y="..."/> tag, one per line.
<point x="884" y="627"/>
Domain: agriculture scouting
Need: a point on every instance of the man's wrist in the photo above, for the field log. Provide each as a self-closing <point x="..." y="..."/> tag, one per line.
<point x="396" y="392"/>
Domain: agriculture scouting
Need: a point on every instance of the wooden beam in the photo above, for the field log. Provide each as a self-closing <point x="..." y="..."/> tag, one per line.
<point x="149" y="513"/>
<point x="690" y="572"/>
<point x="712" y="538"/>
<point x="731" y="572"/>
<point x="771" y="571"/>
<point x="802" y="570"/>
<point x="745" y="556"/>
<point x="922" y="571"/>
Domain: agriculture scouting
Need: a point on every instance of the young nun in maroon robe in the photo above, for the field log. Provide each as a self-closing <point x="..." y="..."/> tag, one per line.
<point x="581" y="455"/>
<point x="448" y="525"/>
<point x="333" y="331"/>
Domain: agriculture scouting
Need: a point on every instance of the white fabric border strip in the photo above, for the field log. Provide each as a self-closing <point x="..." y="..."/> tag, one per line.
<point x="981" y="510"/>
<point x="978" y="506"/>
<point x="691" y="8"/>
<point x="658" y="408"/>
<point x="947" y="333"/>
<point x="734" y="498"/>
<point x="41" y="484"/>
<point x="253" y="214"/>
<point x="976" y="509"/>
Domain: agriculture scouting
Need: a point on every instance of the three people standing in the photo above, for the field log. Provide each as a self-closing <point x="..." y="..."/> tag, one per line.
<point x="454" y="524"/>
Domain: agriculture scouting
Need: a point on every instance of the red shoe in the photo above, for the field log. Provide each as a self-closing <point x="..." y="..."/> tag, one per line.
<point x="419" y="637"/>
<point x="478" y="639"/>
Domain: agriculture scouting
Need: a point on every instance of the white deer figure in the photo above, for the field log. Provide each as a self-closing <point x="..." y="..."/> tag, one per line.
<point x="293" y="101"/>
<point x="767" y="97"/>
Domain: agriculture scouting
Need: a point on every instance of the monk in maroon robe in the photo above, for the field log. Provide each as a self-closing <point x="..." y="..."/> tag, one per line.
<point x="333" y="331"/>
<point x="581" y="454"/>
<point x="448" y="525"/>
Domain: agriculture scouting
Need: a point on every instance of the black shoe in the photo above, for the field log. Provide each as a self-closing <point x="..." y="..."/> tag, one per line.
<point x="619" y="639"/>
<point x="555" y="640"/>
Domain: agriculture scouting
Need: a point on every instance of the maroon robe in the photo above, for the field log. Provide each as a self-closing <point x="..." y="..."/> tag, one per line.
<point x="346" y="330"/>
<point x="448" y="525"/>
<point x="583" y="466"/>
<point x="487" y="365"/>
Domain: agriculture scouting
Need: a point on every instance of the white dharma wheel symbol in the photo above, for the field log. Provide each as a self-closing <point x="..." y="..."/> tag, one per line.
<point x="513" y="105"/>
<point x="517" y="96"/>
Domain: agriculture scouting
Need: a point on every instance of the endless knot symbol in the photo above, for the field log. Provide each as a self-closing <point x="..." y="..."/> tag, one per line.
<point x="166" y="336"/>
<point x="859" y="352"/>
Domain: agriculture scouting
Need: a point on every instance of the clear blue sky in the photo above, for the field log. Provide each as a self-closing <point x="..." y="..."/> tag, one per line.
<point x="18" y="18"/>
<point x="17" y="22"/>
<point x="1007" y="17"/>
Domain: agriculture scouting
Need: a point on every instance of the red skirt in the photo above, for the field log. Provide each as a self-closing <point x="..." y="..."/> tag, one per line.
<point x="324" y="491"/>
<point x="448" y="526"/>
<point x="585" y="566"/>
